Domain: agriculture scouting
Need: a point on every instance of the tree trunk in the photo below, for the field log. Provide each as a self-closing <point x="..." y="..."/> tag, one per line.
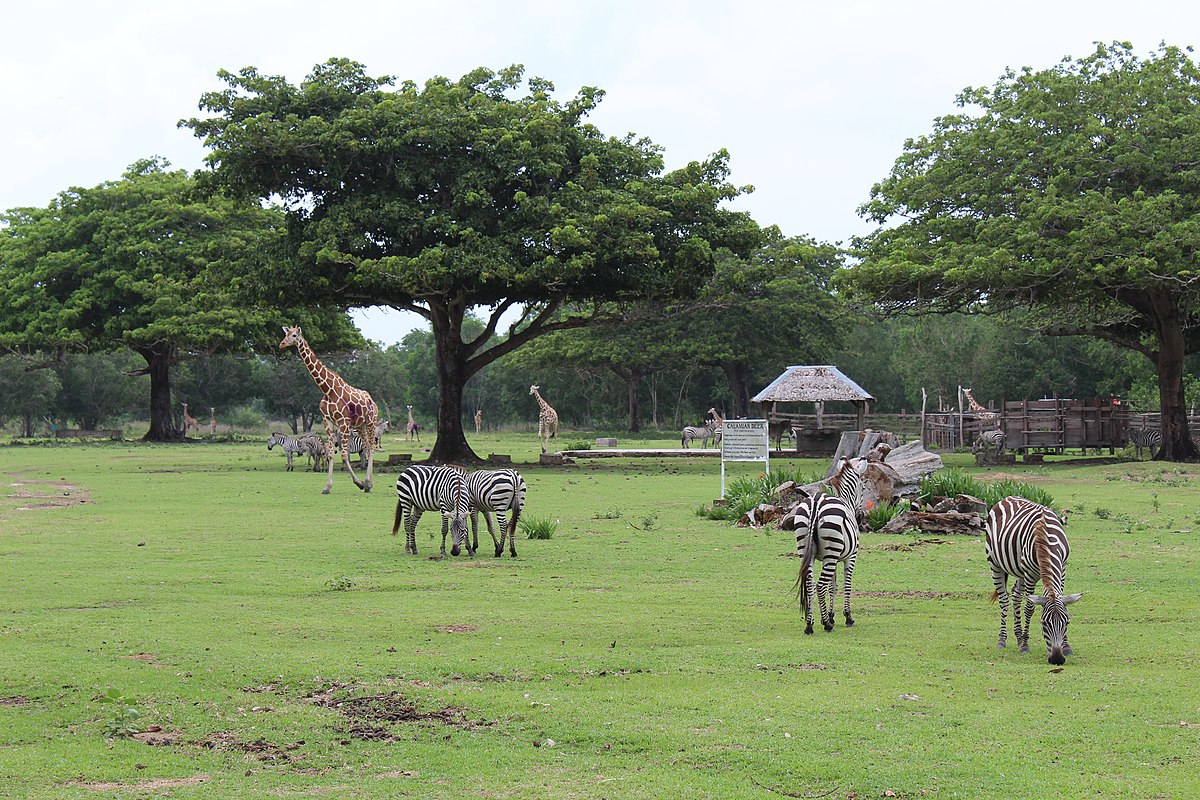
<point x="1177" y="444"/>
<point x="27" y="426"/>
<point x="450" y="356"/>
<point x="633" y="380"/>
<point x="738" y="375"/>
<point x="158" y="367"/>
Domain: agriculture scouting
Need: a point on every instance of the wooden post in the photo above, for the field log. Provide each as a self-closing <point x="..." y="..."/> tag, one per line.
<point x="820" y="409"/>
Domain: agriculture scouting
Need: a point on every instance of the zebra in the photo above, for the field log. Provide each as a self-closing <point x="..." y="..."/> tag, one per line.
<point x="826" y="530"/>
<point x="703" y="432"/>
<point x="423" y="488"/>
<point x="314" y="449"/>
<point x="1027" y="540"/>
<point x="291" y="446"/>
<point x="779" y="429"/>
<point x="989" y="439"/>
<point x="355" y="443"/>
<point x="1144" y="438"/>
<point x="848" y="485"/>
<point x="501" y="491"/>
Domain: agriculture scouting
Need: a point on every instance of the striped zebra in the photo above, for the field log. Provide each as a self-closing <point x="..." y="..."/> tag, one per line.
<point x="355" y="443"/>
<point x="501" y="491"/>
<point x="291" y="446"/>
<point x="422" y="488"/>
<point x="991" y="439"/>
<point x="826" y="531"/>
<point x="315" y="451"/>
<point x="703" y="432"/>
<point x="1144" y="439"/>
<point x="1027" y="541"/>
<point x="847" y="484"/>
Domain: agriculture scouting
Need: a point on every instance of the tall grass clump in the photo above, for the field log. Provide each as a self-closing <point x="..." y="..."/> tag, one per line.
<point x="538" y="527"/>
<point x="953" y="481"/>
<point x="746" y="493"/>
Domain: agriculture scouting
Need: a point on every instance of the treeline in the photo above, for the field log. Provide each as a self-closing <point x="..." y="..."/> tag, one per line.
<point x="892" y="359"/>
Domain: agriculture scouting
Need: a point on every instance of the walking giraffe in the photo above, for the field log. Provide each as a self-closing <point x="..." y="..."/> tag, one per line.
<point x="547" y="419"/>
<point x="414" y="430"/>
<point x="344" y="408"/>
<point x="478" y="421"/>
<point x="189" y="421"/>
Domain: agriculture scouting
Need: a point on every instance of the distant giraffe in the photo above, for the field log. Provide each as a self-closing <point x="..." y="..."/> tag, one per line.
<point x="344" y="408"/>
<point x="212" y="421"/>
<point x="414" y="430"/>
<point x="478" y="421"/>
<point x="547" y="419"/>
<point x="717" y="423"/>
<point x="978" y="410"/>
<point x="189" y="421"/>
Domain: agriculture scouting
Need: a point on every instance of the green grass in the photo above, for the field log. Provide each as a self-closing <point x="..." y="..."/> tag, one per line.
<point x="234" y="606"/>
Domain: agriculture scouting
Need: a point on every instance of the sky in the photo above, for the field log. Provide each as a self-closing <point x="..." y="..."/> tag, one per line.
<point x="813" y="100"/>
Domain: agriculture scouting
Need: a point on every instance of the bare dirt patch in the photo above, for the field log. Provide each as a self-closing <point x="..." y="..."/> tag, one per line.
<point x="35" y="494"/>
<point x="457" y="628"/>
<point x="147" y="658"/>
<point x="369" y="717"/>
<point x="915" y="595"/>
<point x="12" y="702"/>
<point x="908" y="546"/>
<point x="151" y="785"/>
<point x="259" y="749"/>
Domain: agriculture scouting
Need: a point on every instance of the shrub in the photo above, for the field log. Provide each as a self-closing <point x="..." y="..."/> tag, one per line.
<point x="953" y="481"/>
<point x="745" y="493"/>
<point x="880" y="514"/>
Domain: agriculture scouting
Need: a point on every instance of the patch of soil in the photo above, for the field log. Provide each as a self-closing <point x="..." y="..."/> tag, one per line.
<point x="153" y="784"/>
<point x="915" y="595"/>
<point x="369" y="715"/>
<point x="908" y="546"/>
<point x="12" y="702"/>
<point x="147" y="658"/>
<point x="458" y="628"/>
<point x="260" y="748"/>
<point x="156" y="738"/>
<point x="61" y="494"/>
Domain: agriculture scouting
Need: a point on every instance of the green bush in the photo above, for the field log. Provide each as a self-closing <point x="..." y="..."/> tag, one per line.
<point x="745" y="493"/>
<point x="538" y="527"/>
<point x="881" y="514"/>
<point x="953" y="481"/>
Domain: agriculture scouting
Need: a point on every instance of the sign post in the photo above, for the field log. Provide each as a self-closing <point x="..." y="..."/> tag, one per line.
<point x="744" y="440"/>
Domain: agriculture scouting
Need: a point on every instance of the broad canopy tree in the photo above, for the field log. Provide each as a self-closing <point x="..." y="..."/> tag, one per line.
<point x="141" y="263"/>
<point x="483" y="193"/>
<point x="1072" y="191"/>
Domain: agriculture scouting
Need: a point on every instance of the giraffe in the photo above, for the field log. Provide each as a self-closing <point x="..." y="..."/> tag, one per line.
<point x="212" y="421"/>
<point x="976" y="408"/>
<point x="478" y="421"/>
<point x="344" y="408"/>
<point x="547" y="419"/>
<point x="189" y="421"/>
<point x="717" y="422"/>
<point x="414" y="430"/>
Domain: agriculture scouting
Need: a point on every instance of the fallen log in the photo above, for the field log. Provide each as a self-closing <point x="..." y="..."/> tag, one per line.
<point x="951" y="522"/>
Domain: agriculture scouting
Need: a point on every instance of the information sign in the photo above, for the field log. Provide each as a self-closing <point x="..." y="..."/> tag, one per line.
<point x="744" y="440"/>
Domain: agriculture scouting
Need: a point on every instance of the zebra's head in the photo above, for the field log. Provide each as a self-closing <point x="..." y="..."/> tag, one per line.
<point x="1054" y="624"/>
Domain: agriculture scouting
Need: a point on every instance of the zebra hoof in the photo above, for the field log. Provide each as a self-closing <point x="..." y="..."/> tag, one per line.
<point x="828" y="627"/>
<point x="1024" y="648"/>
<point x="808" y="631"/>
<point x="499" y="553"/>
<point x="324" y="491"/>
<point x="849" y="620"/>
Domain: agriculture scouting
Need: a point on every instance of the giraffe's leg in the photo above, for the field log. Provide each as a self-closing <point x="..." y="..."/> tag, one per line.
<point x="847" y="577"/>
<point x="369" y="447"/>
<point x="329" y="466"/>
<point x="344" y="429"/>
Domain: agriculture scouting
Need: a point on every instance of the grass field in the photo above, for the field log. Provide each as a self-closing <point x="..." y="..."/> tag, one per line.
<point x="284" y="646"/>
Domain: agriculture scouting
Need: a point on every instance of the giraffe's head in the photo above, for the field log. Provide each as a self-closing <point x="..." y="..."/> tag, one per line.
<point x="291" y="336"/>
<point x="534" y="389"/>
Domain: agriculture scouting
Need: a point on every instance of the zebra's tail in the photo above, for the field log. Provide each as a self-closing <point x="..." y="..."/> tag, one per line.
<point x="399" y="517"/>
<point x="807" y="561"/>
<point x="518" y="504"/>
<point x="995" y="596"/>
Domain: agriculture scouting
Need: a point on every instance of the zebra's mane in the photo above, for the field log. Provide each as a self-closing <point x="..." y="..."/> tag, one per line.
<point x="836" y="480"/>
<point x="1041" y="549"/>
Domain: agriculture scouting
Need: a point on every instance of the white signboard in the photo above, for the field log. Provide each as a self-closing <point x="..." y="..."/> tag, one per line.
<point x="744" y="440"/>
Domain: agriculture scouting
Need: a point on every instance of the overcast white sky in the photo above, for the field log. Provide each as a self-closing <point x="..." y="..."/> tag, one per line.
<point x="812" y="100"/>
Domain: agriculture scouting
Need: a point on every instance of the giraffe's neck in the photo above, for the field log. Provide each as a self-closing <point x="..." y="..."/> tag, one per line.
<point x="325" y="377"/>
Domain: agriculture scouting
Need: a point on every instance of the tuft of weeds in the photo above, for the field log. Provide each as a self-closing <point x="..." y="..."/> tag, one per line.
<point x="538" y="527"/>
<point x="954" y="481"/>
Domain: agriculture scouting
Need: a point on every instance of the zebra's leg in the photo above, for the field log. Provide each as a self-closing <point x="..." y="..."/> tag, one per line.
<point x="498" y="545"/>
<point x="445" y="530"/>
<point x="825" y="592"/>
<point x="810" y="598"/>
<point x="847" y="577"/>
<point x="1001" y="582"/>
<point x="474" y="530"/>
<point x="1021" y="597"/>
<point x="506" y="529"/>
<point x="410" y="530"/>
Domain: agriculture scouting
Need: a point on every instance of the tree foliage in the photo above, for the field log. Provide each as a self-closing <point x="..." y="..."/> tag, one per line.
<point x="1073" y="191"/>
<point x="482" y="192"/>
<point x="140" y="263"/>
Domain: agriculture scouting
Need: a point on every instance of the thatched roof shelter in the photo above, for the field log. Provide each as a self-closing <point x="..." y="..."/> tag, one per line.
<point x="818" y="385"/>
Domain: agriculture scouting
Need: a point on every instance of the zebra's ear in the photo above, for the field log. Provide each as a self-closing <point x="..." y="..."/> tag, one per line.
<point x="1071" y="598"/>
<point x="1037" y="599"/>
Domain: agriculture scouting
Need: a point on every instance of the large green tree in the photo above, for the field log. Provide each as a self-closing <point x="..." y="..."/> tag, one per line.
<point x="1073" y="191"/>
<point x="140" y="263"/>
<point x="483" y="192"/>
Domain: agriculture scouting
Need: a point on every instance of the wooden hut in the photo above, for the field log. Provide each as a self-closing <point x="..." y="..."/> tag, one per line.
<point x="817" y="385"/>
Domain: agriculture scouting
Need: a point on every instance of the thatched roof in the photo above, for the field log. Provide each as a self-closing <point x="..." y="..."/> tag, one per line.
<point x="814" y="384"/>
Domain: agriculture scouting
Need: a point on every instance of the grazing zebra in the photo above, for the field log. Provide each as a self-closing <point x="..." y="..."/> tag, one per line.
<point x="291" y="446"/>
<point x="826" y="531"/>
<point x="1027" y="540"/>
<point x="1144" y="438"/>
<point x="422" y="488"/>
<point x="779" y="429"/>
<point x="314" y="449"/>
<point x="702" y="432"/>
<point x="991" y="439"/>
<point x="501" y="491"/>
